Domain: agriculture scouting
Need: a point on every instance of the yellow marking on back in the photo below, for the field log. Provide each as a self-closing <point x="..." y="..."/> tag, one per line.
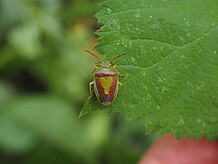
<point x="106" y="83"/>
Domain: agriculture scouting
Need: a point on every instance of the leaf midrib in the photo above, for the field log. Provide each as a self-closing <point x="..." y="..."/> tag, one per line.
<point x="164" y="58"/>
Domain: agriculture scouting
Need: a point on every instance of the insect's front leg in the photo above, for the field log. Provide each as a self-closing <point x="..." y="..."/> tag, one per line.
<point x="114" y="66"/>
<point x="97" y="65"/>
<point x="120" y="84"/>
<point x="90" y="89"/>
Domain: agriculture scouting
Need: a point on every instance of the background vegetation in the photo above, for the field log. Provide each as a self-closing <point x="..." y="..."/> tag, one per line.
<point x="44" y="78"/>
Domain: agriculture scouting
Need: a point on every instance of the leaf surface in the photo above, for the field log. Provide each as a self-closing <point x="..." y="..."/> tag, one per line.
<point x="171" y="70"/>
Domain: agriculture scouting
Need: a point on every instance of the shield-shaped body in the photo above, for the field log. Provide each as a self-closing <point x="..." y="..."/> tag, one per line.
<point x="106" y="84"/>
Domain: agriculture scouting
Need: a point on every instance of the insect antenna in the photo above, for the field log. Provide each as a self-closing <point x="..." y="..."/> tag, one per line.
<point x="117" y="57"/>
<point x="93" y="55"/>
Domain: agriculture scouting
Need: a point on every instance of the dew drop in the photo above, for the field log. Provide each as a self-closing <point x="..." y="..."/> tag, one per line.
<point x="155" y="26"/>
<point x="144" y="74"/>
<point x="145" y="87"/>
<point x="164" y="89"/>
<point x="188" y="24"/>
<point x="181" y="38"/>
<point x="131" y="106"/>
<point x="137" y="14"/>
<point x="109" y="10"/>
<point x="155" y="48"/>
<point x="159" y="68"/>
<point x="214" y="52"/>
<point x="113" y="23"/>
<point x="158" y="107"/>
<point x="160" y="80"/>
<point x="181" y="121"/>
<point x="151" y="16"/>
<point x="133" y="60"/>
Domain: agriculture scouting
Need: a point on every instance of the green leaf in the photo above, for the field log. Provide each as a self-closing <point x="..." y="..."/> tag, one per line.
<point x="171" y="69"/>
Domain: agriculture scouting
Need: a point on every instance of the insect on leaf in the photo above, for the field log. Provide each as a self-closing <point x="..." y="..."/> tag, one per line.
<point x="171" y="70"/>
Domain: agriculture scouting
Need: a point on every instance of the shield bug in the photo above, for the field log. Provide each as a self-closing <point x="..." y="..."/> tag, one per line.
<point x="106" y="82"/>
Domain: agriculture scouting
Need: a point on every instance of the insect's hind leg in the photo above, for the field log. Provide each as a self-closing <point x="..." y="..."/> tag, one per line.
<point x="90" y="89"/>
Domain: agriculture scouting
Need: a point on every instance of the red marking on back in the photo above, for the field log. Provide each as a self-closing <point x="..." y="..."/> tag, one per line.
<point x="100" y="89"/>
<point x="106" y="74"/>
<point x="113" y="88"/>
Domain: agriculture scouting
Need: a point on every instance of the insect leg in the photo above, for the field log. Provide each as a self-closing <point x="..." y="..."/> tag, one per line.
<point x="97" y="65"/>
<point x="114" y="65"/>
<point x="120" y="84"/>
<point x="90" y="89"/>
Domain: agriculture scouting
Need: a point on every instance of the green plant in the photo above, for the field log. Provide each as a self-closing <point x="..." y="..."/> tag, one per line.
<point x="171" y="69"/>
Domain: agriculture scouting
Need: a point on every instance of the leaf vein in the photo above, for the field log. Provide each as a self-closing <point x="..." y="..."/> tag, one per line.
<point x="191" y="42"/>
<point x="163" y="7"/>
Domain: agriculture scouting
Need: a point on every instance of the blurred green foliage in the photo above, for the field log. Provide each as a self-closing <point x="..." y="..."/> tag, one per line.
<point x="44" y="77"/>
